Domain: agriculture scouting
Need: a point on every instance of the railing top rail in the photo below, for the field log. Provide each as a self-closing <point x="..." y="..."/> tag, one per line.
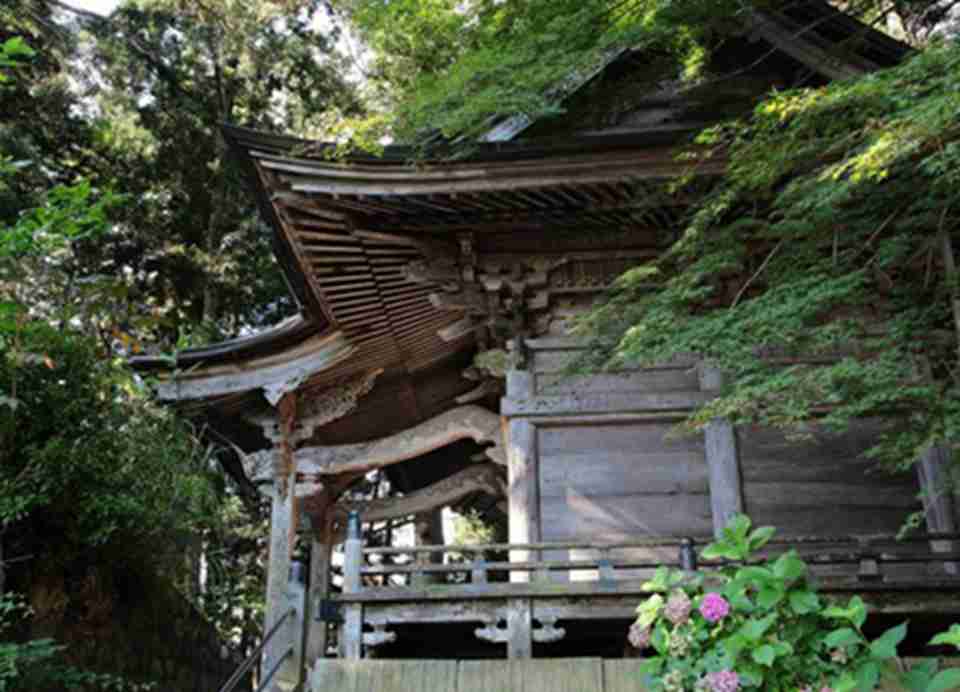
<point x="665" y="542"/>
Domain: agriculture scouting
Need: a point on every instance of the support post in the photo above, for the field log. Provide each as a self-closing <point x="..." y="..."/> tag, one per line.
<point x="723" y="460"/>
<point x="519" y="628"/>
<point x="428" y="530"/>
<point x="524" y="503"/>
<point x="351" y="631"/>
<point x="933" y="470"/>
<point x="278" y="575"/>
<point x="316" y="644"/>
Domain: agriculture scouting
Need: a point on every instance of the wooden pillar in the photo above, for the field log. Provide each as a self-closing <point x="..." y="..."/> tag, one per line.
<point x="723" y="460"/>
<point x="278" y="575"/>
<point x="315" y="647"/>
<point x="428" y="530"/>
<point x="524" y="503"/>
<point x="351" y="631"/>
<point x="933" y="470"/>
<point x="519" y="628"/>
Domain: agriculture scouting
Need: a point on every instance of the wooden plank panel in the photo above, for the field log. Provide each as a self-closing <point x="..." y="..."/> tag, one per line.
<point x="612" y="519"/>
<point x="623" y="675"/>
<point x="825" y="521"/>
<point x="563" y="675"/>
<point x="621" y="472"/>
<point x="647" y="381"/>
<point x="660" y="436"/>
<point x="821" y="483"/>
<point x="490" y="676"/>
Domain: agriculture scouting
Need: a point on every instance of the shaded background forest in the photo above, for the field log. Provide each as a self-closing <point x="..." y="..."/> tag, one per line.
<point x="126" y="227"/>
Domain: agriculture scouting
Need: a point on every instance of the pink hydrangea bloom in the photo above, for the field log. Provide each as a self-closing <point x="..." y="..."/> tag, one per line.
<point x="723" y="681"/>
<point x="714" y="607"/>
<point x="639" y="637"/>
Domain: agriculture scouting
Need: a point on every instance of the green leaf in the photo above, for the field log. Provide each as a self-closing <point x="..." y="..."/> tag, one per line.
<point x="867" y="676"/>
<point x="855" y="612"/>
<point x="842" y="637"/>
<point x="764" y="655"/>
<point x="651" y="666"/>
<point x="754" y="629"/>
<point x="803" y="602"/>
<point x="886" y="645"/>
<point x="761" y="536"/>
<point x="789" y="566"/>
<point x="919" y="676"/>
<point x="751" y="676"/>
<point x="945" y="680"/>
<point x="951" y="637"/>
<point x="846" y="683"/>
<point x="659" y="583"/>
<point x="770" y="595"/>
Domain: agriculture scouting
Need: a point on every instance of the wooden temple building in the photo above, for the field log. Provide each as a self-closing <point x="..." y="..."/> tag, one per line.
<point x="435" y="305"/>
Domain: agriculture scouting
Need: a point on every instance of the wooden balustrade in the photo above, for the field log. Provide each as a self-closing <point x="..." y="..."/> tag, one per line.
<point x="864" y="555"/>
<point x="598" y="581"/>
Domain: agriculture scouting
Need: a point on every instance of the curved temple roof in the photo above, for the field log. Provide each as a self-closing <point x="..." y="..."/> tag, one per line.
<point x="363" y="239"/>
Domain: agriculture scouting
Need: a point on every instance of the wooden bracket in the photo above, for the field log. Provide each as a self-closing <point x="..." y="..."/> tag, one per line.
<point x="493" y="632"/>
<point x="548" y="632"/>
<point x="378" y="637"/>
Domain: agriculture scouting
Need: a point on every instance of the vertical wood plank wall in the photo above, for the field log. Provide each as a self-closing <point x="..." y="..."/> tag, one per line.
<point x="610" y="465"/>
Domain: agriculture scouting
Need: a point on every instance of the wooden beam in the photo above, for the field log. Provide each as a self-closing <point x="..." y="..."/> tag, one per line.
<point x="485" y="478"/>
<point x="270" y="373"/>
<point x="608" y="402"/>
<point x="461" y="423"/>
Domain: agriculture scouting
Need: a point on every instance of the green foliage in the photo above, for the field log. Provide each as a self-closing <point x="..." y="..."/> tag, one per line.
<point x="82" y="435"/>
<point x="763" y="625"/>
<point x="814" y="274"/>
<point x="12" y="53"/>
<point x="34" y="664"/>
<point x="454" y="67"/>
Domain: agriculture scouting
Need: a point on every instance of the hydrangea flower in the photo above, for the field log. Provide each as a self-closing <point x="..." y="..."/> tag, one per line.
<point x="679" y="645"/>
<point x="714" y="607"/>
<point x="678" y="607"/>
<point x="639" y="637"/>
<point x="723" y="681"/>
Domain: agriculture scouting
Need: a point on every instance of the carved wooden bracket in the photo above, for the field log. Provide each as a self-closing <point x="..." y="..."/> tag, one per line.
<point x="493" y="633"/>
<point x="317" y="410"/>
<point x="546" y="634"/>
<point x="517" y="293"/>
<point x="378" y="637"/>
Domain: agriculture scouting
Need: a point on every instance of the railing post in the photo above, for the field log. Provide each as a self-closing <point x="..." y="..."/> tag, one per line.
<point x="688" y="555"/>
<point x="351" y="631"/>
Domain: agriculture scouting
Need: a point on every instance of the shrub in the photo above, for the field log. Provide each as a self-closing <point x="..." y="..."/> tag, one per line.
<point x="762" y="625"/>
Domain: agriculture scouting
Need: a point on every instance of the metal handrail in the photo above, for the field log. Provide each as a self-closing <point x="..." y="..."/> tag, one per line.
<point x="245" y="667"/>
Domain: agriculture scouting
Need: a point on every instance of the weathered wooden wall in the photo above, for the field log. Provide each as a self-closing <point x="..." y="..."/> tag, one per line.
<point x="543" y="675"/>
<point x="540" y="675"/>
<point x="610" y="464"/>
<point x="821" y="482"/>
